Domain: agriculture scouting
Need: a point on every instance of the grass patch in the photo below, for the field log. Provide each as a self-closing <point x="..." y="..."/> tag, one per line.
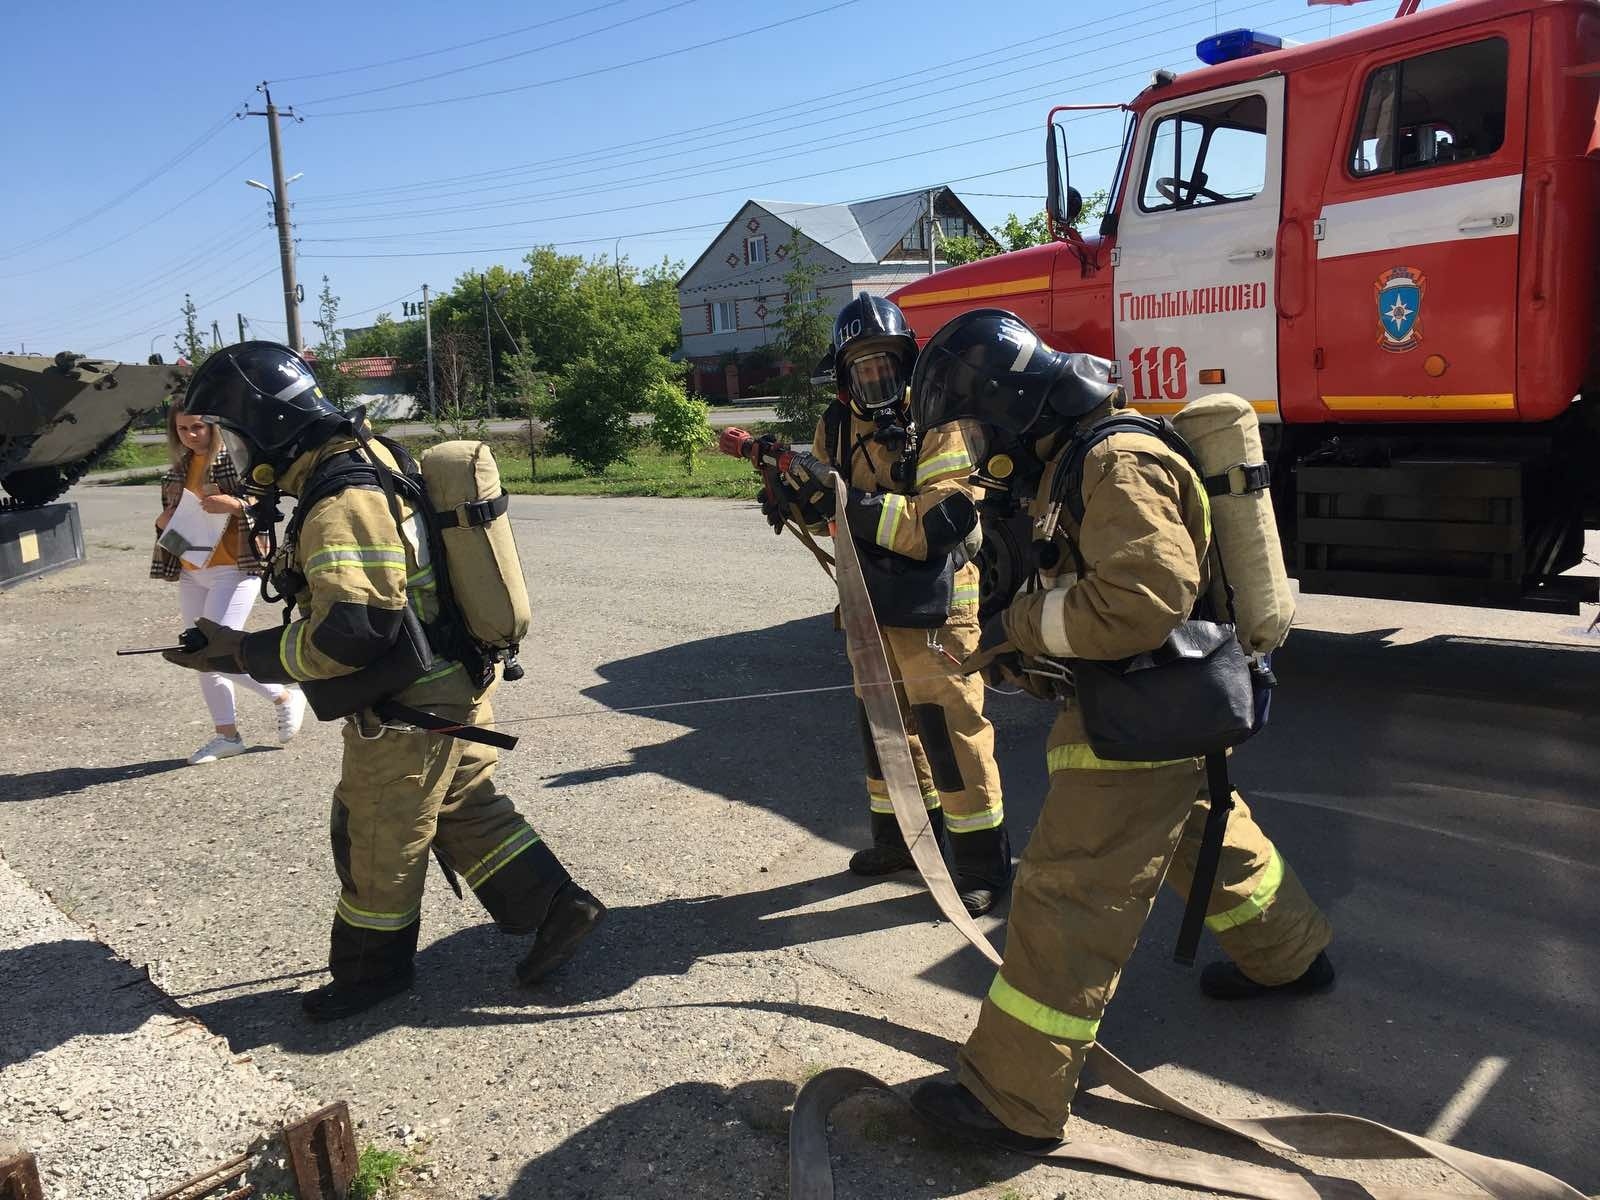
<point x="651" y="473"/>
<point x="376" y="1172"/>
<point x="133" y="454"/>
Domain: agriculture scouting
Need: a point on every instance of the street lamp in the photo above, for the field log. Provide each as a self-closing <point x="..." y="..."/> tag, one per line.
<point x="280" y="218"/>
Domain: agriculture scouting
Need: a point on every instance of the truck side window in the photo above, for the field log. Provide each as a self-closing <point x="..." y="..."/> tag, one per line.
<point x="1443" y="107"/>
<point x="1215" y="154"/>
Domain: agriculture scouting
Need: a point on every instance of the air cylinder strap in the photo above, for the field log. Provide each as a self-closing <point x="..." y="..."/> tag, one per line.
<point x="1324" y="1135"/>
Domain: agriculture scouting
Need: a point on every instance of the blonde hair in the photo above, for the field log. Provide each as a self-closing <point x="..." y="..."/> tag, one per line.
<point x="176" y="450"/>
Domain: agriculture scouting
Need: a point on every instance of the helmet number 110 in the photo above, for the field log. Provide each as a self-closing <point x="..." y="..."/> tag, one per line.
<point x="1159" y="373"/>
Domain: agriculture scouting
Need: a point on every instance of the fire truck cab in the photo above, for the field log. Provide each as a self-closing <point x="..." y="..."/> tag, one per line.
<point x="1386" y="242"/>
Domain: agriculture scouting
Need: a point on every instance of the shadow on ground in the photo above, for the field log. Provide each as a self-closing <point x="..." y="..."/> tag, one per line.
<point x="64" y="781"/>
<point x="71" y="987"/>
<point x="1459" y="937"/>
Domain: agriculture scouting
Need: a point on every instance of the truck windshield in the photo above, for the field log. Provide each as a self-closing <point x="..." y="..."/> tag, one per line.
<point x="1212" y="154"/>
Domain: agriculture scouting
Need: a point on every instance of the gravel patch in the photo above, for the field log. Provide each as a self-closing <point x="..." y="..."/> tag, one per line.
<point x="115" y="1090"/>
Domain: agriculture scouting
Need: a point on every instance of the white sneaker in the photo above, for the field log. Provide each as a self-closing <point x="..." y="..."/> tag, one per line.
<point x="290" y="714"/>
<point x="217" y="747"/>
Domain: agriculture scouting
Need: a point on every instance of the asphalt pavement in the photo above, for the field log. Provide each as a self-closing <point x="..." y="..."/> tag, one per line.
<point x="1429" y="772"/>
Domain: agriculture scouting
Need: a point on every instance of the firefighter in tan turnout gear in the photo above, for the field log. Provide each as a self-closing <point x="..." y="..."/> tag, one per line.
<point x="1110" y="831"/>
<point x="913" y="515"/>
<point x="365" y="600"/>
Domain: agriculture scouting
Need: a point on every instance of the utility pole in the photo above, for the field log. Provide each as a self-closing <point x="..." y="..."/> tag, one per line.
<point x="240" y="316"/>
<point x="930" y="231"/>
<point x="280" y="216"/>
<point x="488" y="347"/>
<point x="216" y="336"/>
<point x="427" y="335"/>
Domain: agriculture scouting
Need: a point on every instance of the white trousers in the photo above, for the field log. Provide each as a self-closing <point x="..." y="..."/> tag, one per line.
<point x="225" y="595"/>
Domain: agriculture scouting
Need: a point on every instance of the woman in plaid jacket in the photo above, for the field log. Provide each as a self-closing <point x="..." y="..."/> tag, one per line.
<point x="225" y="588"/>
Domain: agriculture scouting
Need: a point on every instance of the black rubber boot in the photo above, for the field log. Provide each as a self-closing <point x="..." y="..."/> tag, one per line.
<point x="1224" y="981"/>
<point x="335" y="1001"/>
<point x="981" y="865"/>
<point x="950" y="1108"/>
<point x="573" y="915"/>
<point x="888" y="852"/>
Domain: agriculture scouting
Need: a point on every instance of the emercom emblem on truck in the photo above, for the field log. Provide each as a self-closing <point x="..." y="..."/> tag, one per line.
<point x="1399" y="291"/>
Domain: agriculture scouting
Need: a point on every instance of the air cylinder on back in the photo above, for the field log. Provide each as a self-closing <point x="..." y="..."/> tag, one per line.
<point x="1226" y="438"/>
<point x="463" y="483"/>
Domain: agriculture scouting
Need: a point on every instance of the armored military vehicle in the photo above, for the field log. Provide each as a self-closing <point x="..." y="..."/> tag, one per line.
<point x="59" y="417"/>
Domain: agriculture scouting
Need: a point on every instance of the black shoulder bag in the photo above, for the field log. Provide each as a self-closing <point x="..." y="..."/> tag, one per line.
<point x="1193" y="696"/>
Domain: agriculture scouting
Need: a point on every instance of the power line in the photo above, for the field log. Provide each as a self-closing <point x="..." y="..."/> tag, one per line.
<point x="1028" y="94"/>
<point x="77" y="222"/>
<point x="364" y="311"/>
<point x="210" y="249"/>
<point x="744" y="121"/>
<point x="161" y="216"/>
<point x="489" y="62"/>
<point x="611" y="237"/>
<point x="523" y="87"/>
<point x="217" y="299"/>
<point x="780" y="154"/>
<point x="493" y="37"/>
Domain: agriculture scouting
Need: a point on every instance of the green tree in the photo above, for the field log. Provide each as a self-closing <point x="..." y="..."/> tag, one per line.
<point x="191" y="343"/>
<point x="591" y="418"/>
<point x="381" y="340"/>
<point x="804" y="332"/>
<point x="1017" y="233"/>
<point x="959" y="250"/>
<point x="338" y="387"/>
<point x="680" y="422"/>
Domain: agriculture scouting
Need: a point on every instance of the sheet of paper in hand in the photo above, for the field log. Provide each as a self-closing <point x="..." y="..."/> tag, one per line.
<point x="193" y="533"/>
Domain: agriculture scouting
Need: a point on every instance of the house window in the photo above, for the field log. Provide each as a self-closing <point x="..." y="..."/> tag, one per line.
<point x="1215" y="154"/>
<point x="953" y="227"/>
<point x="914" y="239"/>
<point x="755" y="250"/>
<point x="724" y="316"/>
<point x="1444" y="107"/>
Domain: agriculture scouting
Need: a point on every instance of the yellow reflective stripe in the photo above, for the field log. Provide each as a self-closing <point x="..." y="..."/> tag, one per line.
<point x="879" y="802"/>
<point x="1083" y="758"/>
<point x="991" y="818"/>
<point x="362" y="918"/>
<point x="951" y="462"/>
<point x="292" y="650"/>
<point x="1259" y="900"/>
<point x="423" y="583"/>
<point x="965" y="593"/>
<point x="893" y="512"/>
<point x="439" y="674"/>
<point x="331" y="558"/>
<point x="1049" y="1021"/>
<point x="497" y="858"/>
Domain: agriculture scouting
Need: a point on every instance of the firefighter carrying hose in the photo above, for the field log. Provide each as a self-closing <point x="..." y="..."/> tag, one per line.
<point x="913" y="515"/>
<point x="1131" y="569"/>
<point x="367" y="592"/>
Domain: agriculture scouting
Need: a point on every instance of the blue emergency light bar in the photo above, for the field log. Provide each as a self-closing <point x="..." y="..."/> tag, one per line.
<point x="1235" y="44"/>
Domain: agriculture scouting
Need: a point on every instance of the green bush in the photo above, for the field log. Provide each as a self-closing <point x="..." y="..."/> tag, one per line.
<point x="680" y="424"/>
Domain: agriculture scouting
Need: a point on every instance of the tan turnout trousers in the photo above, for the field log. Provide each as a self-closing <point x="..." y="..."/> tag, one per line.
<point x="952" y="742"/>
<point x="1108" y="835"/>
<point x="401" y="793"/>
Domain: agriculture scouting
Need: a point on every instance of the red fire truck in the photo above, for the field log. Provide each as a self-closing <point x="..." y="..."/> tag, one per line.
<point x="1386" y="242"/>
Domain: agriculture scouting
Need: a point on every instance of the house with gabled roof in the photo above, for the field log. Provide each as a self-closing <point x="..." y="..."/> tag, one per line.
<point x="730" y="297"/>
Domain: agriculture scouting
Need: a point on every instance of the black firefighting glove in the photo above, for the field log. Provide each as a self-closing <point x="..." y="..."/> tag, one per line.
<point x="222" y="649"/>
<point x="996" y="657"/>
<point x="776" y="501"/>
<point x="813" y="486"/>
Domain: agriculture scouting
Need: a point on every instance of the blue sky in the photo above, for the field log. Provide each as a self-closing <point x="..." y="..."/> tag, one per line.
<point x="644" y="120"/>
